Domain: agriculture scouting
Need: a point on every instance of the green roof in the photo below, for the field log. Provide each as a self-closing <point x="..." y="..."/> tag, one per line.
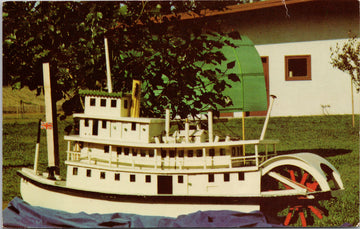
<point x="101" y="93"/>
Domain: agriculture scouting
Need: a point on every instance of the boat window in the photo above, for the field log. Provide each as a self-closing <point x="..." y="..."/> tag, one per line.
<point x="126" y="151"/>
<point x="117" y="176"/>
<point x="88" y="172"/>
<point x="181" y="153"/>
<point x="148" y="179"/>
<point x="222" y="152"/>
<point x="199" y="153"/>
<point x="102" y="175"/>
<point x="104" y="124"/>
<point x="86" y="122"/>
<point x="211" y="177"/>
<point x="133" y="126"/>
<point x="212" y="152"/>
<point x="190" y="153"/>
<point x="226" y="177"/>
<point x="103" y="102"/>
<point x="75" y="171"/>
<point x="92" y="102"/>
<point x="172" y="153"/>
<point x="240" y="150"/>
<point x="106" y="149"/>
<point x="180" y="179"/>
<point x="233" y="151"/>
<point x="143" y="153"/>
<point x="118" y="150"/>
<point x="132" y="177"/>
<point x="241" y="176"/>
<point x="113" y="103"/>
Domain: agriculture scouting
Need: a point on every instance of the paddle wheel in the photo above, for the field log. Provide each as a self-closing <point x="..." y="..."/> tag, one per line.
<point x="306" y="179"/>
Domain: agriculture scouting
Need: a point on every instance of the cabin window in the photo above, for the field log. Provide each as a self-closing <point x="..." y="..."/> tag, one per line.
<point x="102" y="175"/>
<point x="104" y="124"/>
<point x="92" y="102"/>
<point x="233" y="151"/>
<point x="211" y="152"/>
<point x="298" y="67"/>
<point x="172" y="153"/>
<point x="95" y="127"/>
<point x="75" y="171"/>
<point x="126" y="151"/>
<point x="180" y="179"/>
<point x="113" y="103"/>
<point x="148" y="179"/>
<point x="240" y="150"/>
<point x="118" y="150"/>
<point x="132" y="178"/>
<point x="88" y="172"/>
<point x="126" y="104"/>
<point x="133" y="126"/>
<point x="143" y="153"/>
<point x="106" y="149"/>
<point x="222" y="152"/>
<point x="103" y="102"/>
<point x="190" y="153"/>
<point x="134" y="152"/>
<point x="86" y="122"/>
<point x="226" y="177"/>
<point x="199" y="153"/>
<point x="117" y="176"/>
<point x="241" y="176"/>
<point x="181" y="153"/>
<point x="211" y="177"/>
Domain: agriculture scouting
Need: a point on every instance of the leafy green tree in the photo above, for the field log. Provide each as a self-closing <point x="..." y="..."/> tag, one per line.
<point x="166" y="53"/>
<point x="346" y="57"/>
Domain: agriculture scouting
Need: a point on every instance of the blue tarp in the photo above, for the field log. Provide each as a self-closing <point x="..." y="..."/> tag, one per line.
<point x="20" y="214"/>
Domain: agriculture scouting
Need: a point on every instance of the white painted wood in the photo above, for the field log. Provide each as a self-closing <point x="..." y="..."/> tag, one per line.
<point x="108" y="72"/>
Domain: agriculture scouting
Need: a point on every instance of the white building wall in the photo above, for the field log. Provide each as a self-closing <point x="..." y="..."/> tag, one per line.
<point x="328" y="86"/>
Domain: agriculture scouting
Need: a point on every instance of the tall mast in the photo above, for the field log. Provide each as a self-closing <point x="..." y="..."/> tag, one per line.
<point x="50" y="125"/>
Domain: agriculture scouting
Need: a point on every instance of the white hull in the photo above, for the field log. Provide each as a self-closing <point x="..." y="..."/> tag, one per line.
<point x="38" y="196"/>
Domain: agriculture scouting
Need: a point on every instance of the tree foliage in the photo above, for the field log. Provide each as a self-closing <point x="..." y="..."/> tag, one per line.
<point x="166" y="53"/>
<point x="346" y="57"/>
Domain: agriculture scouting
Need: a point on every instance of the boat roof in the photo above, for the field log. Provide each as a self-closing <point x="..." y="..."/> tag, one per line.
<point x="103" y="93"/>
<point x="117" y="118"/>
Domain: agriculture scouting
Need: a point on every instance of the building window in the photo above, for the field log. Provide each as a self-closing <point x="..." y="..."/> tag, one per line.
<point x="148" y="179"/>
<point x="103" y="102"/>
<point x="151" y="153"/>
<point x="180" y="179"/>
<point x="142" y="153"/>
<point x="211" y="152"/>
<point x="163" y="153"/>
<point x="106" y="149"/>
<point x="117" y="176"/>
<point x="181" y="153"/>
<point x="298" y="67"/>
<point x="88" y="172"/>
<point x="190" y="153"/>
<point x="132" y="178"/>
<point x="125" y="104"/>
<point x="75" y="171"/>
<point x="104" y="124"/>
<point x="126" y="151"/>
<point x="102" y="175"/>
<point x="172" y="153"/>
<point x="113" y="103"/>
<point x="134" y="152"/>
<point x="199" y="153"/>
<point x="133" y="126"/>
<point x="226" y="177"/>
<point x="86" y="122"/>
<point x="211" y="177"/>
<point x="222" y="152"/>
<point x="241" y="176"/>
<point x="92" y="102"/>
<point x="118" y="150"/>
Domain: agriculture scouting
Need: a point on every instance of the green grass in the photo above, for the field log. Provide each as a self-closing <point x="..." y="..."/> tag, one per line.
<point x="331" y="137"/>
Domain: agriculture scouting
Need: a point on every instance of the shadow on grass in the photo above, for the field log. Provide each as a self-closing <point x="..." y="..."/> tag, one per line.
<point x="320" y="152"/>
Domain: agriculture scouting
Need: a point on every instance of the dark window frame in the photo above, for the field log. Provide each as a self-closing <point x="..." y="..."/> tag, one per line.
<point x="113" y="103"/>
<point x="308" y="67"/>
<point x="102" y="175"/>
<point x="92" y="102"/>
<point x="211" y="178"/>
<point x="88" y="172"/>
<point x="117" y="176"/>
<point x="103" y="102"/>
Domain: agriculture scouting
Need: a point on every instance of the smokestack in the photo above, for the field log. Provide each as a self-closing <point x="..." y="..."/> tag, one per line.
<point x="108" y="73"/>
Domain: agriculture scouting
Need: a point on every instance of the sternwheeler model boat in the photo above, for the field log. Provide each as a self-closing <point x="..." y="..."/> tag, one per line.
<point x="120" y="162"/>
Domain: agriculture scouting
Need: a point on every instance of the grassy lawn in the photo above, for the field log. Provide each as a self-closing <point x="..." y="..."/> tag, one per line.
<point x="331" y="137"/>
